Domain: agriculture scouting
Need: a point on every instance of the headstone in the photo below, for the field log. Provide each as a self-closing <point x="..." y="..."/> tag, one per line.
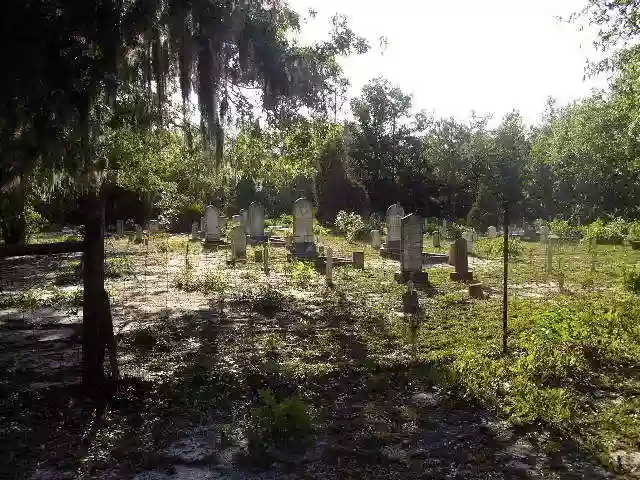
<point x="245" y="220"/>
<point x="119" y="227"/>
<point x="452" y="254"/>
<point x="410" y="301"/>
<point x="138" y="237"/>
<point x="375" y="239"/>
<point x="329" y="266"/>
<point x="544" y="234"/>
<point x="238" y="243"/>
<point x="470" y="237"/>
<point x="394" y="229"/>
<point x="303" y="238"/>
<point x="592" y="247"/>
<point x="195" y="234"/>
<point x="461" y="262"/>
<point x="237" y="218"/>
<point x="411" y="244"/>
<point x="358" y="260"/>
<point x="153" y="226"/>
<point x="255" y="221"/>
<point x="492" y="232"/>
<point x="436" y="239"/>
<point x="211" y="224"/>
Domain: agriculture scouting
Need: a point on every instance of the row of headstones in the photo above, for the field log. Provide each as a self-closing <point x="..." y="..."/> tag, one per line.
<point x="251" y="223"/>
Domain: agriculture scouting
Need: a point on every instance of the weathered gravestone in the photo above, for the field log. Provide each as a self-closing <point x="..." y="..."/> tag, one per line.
<point x="303" y="237"/>
<point x="211" y="224"/>
<point x="138" y="237"/>
<point x="119" y="227"/>
<point x="394" y="229"/>
<point x="492" y="232"/>
<point x="238" y="243"/>
<point x="195" y="234"/>
<point x="329" y="267"/>
<point x="357" y="258"/>
<point x="265" y="257"/>
<point x="436" y="239"/>
<point x="375" y="239"/>
<point x="153" y="226"/>
<point x="255" y="220"/>
<point x="245" y="220"/>
<point x="470" y="237"/>
<point x="461" y="262"/>
<point x="411" y="245"/>
<point x="544" y="234"/>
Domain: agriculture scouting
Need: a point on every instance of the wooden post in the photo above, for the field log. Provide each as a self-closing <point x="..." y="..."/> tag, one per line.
<point x="505" y="296"/>
<point x="93" y="303"/>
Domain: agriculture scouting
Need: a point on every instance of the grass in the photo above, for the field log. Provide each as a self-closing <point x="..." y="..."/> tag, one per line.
<point x="571" y="369"/>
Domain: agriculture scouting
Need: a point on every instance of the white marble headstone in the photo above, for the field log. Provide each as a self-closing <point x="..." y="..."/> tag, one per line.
<point x="394" y="225"/>
<point x="470" y="237"/>
<point x="492" y="232"/>
<point x="412" y="239"/>
<point x="375" y="238"/>
<point x="211" y="224"/>
<point x="153" y="226"/>
<point x="255" y="220"/>
<point x="238" y="242"/>
<point x="303" y="221"/>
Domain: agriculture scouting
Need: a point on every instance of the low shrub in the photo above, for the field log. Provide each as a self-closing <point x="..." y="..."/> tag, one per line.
<point x="631" y="279"/>
<point x="564" y="230"/>
<point x="274" y="423"/>
<point x="494" y="247"/>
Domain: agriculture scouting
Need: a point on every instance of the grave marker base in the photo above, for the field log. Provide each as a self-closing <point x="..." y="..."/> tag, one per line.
<point x="462" y="276"/>
<point x="419" y="278"/>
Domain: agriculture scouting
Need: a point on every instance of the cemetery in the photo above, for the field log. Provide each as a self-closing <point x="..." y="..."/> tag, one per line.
<point x="239" y="240"/>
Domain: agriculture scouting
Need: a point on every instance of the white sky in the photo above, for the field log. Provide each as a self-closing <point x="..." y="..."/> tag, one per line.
<point x="491" y="56"/>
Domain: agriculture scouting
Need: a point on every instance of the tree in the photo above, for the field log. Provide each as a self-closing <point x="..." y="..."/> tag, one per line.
<point x="70" y="63"/>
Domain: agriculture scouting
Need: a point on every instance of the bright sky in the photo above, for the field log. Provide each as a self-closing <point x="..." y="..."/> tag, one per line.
<point x="491" y="56"/>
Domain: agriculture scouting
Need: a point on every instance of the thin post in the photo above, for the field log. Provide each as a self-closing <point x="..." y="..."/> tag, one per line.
<point x="505" y="279"/>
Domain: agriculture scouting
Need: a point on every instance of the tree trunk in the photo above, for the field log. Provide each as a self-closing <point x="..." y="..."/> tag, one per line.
<point x="93" y="304"/>
<point x="14" y="224"/>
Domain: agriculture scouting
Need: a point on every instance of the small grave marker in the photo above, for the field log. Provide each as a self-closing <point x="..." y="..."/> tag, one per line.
<point x="358" y="260"/>
<point x="265" y="257"/>
<point x="211" y="224"/>
<point x="492" y="232"/>
<point x="462" y="273"/>
<point x="255" y="221"/>
<point x="195" y="234"/>
<point x="138" y="237"/>
<point x="375" y="239"/>
<point x="329" y="267"/>
<point x="238" y="243"/>
<point x="411" y="244"/>
<point x="394" y="229"/>
<point x="436" y="239"/>
<point x="303" y="237"/>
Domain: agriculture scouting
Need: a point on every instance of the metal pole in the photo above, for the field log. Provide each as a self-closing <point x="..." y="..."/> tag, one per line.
<point x="505" y="297"/>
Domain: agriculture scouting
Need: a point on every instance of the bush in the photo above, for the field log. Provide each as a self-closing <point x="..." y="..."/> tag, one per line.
<point x="564" y="230"/>
<point x="275" y="422"/>
<point x="302" y="273"/>
<point x="631" y="279"/>
<point x="453" y="231"/>
<point x="350" y="223"/>
<point x="613" y="232"/>
<point x="494" y="247"/>
<point x="634" y="230"/>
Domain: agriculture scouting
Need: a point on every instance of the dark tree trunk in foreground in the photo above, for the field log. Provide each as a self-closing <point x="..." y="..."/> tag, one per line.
<point x="93" y="304"/>
<point x="14" y="222"/>
<point x="505" y="296"/>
